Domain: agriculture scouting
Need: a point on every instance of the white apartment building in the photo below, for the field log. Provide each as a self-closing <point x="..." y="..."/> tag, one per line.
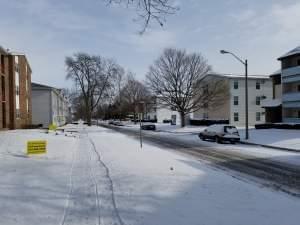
<point x="164" y="113"/>
<point x="233" y="109"/>
<point x="49" y="106"/>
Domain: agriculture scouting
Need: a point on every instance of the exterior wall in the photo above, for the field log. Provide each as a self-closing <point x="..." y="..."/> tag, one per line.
<point x="228" y="109"/>
<point x="265" y="92"/>
<point x="49" y="106"/>
<point x="41" y="111"/>
<point x="291" y="89"/>
<point x="163" y="113"/>
<point x="218" y="112"/>
<point x="59" y="114"/>
<point x="4" y="92"/>
<point x="17" y="107"/>
<point x="25" y="94"/>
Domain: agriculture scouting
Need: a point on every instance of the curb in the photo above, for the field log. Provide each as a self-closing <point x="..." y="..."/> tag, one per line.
<point x="270" y="146"/>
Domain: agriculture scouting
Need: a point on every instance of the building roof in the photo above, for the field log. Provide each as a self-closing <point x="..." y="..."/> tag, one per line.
<point x="295" y="51"/>
<point x="42" y="86"/>
<point x="3" y="50"/>
<point x="241" y="76"/>
<point x="277" y="72"/>
<point x="37" y="86"/>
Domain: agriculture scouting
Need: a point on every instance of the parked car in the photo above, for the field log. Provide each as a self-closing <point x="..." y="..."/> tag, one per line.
<point x="220" y="133"/>
<point x="118" y="123"/>
<point x="148" y="127"/>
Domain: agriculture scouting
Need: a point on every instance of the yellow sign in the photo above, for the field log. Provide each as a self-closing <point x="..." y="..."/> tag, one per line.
<point x="52" y="127"/>
<point x="36" y="147"/>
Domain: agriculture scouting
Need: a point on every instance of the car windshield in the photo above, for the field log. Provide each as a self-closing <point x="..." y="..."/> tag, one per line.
<point x="230" y="130"/>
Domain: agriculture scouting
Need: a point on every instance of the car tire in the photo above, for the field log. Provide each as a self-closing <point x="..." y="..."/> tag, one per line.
<point x="201" y="137"/>
<point x="218" y="140"/>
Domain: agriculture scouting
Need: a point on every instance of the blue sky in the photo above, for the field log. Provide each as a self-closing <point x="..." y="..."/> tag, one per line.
<point x="49" y="30"/>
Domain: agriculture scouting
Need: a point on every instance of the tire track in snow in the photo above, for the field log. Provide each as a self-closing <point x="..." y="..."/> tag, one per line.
<point x="67" y="205"/>
<point x="111" y="185"/>
<point x="82" y="185"/>
<point x="93" y="178"/>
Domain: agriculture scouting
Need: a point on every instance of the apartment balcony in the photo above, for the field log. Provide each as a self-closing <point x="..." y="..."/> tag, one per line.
<point x="291" y="97"/>
<point x="291" y="120"/>
<point x="291" y="74"/>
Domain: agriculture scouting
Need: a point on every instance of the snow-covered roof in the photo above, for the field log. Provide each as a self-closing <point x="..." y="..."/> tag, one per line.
<point x="2" y="50"/>
<point x="295" y="51"/>
<point x="269" y="103"/>
<point x="241" y="76"/>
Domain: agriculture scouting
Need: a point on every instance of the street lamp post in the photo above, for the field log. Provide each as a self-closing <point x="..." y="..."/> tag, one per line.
<point x="245" y="63"/>
<point x="141" y="115"/>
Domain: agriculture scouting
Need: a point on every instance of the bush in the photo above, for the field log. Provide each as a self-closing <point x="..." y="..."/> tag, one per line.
<point x="278" y="126"/>
<point x="145" y="121"/>
<point x="33" y="126"/>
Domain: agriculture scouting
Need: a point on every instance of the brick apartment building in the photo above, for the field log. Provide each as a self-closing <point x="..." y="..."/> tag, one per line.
<point x="15" y="91"/>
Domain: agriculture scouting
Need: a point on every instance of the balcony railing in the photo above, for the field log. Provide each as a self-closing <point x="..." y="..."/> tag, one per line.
<point x="291" y="120"/>
<point x="291" y="97"/>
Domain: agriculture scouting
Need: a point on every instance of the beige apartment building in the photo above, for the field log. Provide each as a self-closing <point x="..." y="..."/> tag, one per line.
<point x="233" y="107"/>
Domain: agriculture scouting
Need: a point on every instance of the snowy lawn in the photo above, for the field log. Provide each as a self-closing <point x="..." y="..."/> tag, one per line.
<point x="150" y="186"/>
<point x="270" y="137"/>
<point x="274" y="137"/>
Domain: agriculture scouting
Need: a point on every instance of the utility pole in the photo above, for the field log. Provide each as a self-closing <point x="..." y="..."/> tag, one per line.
<point x="245" y="63"/>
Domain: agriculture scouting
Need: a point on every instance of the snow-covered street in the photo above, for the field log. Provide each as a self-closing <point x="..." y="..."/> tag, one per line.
<point x="99" y="176"/>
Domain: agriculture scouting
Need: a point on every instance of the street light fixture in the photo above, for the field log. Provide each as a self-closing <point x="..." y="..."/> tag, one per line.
<point x="245" y="63"/>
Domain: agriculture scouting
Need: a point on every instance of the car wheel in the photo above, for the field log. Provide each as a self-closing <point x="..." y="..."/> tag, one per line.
<point x="218" y="140"/>
<point x="201" y="137"/>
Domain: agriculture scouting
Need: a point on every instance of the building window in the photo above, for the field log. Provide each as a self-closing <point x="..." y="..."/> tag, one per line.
<point x="236" y="117"/>
<point x="298" y="87"/>
<point x="298" y="62"/>
<point x="257" y="85"/>
<point x="236" y="84"/>
<point x="17" y="90"/>
<point x="258" y="114"/>
<point x="257" y="100"/>
<point x="235" y="100"/>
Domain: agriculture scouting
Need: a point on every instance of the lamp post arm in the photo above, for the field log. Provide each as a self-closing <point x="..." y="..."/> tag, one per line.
<point x="238" y="58"/>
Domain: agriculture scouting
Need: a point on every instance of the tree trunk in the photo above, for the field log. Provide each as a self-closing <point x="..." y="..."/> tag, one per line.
<point x="88" y="114"/>
<point x="182" y="118"/>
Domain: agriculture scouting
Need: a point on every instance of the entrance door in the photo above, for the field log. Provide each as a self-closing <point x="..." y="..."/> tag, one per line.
<point x="173" y="120"/>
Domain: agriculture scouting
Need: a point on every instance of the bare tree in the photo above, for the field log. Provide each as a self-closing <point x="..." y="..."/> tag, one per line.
<point x="134" y="95"/>
<point x="92" y="76"/>
<point x="148" y="10"/>
<point x="176" y="80"/>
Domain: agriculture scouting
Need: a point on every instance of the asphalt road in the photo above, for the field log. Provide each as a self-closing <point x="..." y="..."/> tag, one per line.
<point x="265" y="171"/>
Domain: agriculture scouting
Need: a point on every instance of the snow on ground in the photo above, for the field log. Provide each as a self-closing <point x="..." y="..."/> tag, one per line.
<point x="103" y="177"/>
<point x="191" y="137"/>
<point x="33" y="189"/>
<point x="154" y="186"/>
<point x="275" y="137"/>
